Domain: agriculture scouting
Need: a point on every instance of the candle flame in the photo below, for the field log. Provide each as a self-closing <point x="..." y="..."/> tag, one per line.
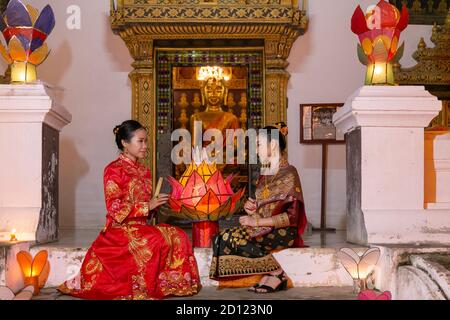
<point x="13" y="235"/>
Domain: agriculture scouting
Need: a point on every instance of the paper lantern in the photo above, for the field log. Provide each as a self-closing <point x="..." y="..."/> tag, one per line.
<point x="203" y="195"/>
<point x="202" y="198"/>
<point x="35" y="271"/>
<point x="379" y="33"/>
<point x="25" y="32"/>
<point x="359" y="267"/>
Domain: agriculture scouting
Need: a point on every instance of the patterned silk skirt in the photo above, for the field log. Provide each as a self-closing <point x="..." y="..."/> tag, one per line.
<point x="137" y="261"/>
<point x="235" y="254"/>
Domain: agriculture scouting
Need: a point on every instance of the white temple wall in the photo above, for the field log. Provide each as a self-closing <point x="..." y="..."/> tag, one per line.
<point x="92" y="65"/>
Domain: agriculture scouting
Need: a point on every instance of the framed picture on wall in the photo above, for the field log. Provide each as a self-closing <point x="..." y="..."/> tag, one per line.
<point x="316" y="124"/>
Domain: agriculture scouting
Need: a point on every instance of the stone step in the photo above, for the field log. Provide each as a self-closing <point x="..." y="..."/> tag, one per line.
<point x="427" y="278"/>
<point x="407" y="272"/>
<point x="307" y="267"/>
<point x="315" y="266"/>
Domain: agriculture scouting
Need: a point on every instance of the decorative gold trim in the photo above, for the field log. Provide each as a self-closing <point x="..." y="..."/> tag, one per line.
<point x="433" y="64"/>
<point x="281" y="220"/>
<point x="432" y="69"/>
<point x="235" y="11"/>
<point x="210" y="49"/>
<point x="231" y="266"/>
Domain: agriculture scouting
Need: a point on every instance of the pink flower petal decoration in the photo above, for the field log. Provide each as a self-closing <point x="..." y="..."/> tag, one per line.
<point x="374" y="295"/>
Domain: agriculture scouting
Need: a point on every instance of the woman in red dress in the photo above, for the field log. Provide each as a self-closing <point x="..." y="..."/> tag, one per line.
<point x="130" y="259"/>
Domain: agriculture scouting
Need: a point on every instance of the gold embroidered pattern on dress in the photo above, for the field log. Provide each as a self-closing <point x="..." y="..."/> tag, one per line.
<point x="94" y="265"/>
<point x="120" y="210"/>
<point x="137" y="245"/>
<point x="111" y="189"/>
<point x="139" y="287"/>
<point x="173" y="240"/>
<point x="143" y="209"/>
<point x="232" y="265"/>
<point x="286" y="182"/>
<point x="177" y="262"/>
<point x="174" y="281"/>
<point x="92" y="269"/>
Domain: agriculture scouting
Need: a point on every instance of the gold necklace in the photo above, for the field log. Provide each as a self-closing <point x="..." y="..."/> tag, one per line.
<point x="266" y="191"/>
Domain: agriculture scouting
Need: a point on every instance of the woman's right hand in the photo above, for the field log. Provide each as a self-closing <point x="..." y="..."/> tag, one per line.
<point x="158" y="201"/>
<point x="250" y="206"/>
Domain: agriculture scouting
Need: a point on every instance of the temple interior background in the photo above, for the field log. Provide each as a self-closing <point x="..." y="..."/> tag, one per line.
<point x="387" y="184"/>
<point x="91" y="65"/>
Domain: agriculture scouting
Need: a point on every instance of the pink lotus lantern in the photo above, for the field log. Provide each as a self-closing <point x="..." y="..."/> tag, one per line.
<point x="374" y="295"/>
<point x="379" y="33"/>
<point x="204" y="196"/>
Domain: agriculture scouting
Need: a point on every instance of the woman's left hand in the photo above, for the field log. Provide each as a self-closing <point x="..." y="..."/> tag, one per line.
<point x="247" y="221"/>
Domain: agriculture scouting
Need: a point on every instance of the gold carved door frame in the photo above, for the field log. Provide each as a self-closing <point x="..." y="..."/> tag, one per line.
<point x="141" y="24"/>
<point x="432" y="70"/>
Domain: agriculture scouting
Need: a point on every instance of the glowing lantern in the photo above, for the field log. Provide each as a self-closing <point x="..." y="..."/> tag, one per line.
<point x="35" y="271"/>
<point x="203" y="196"/>
<point x="379" y="33"/>
<point x="25" y="32"/>
<point x="359" y="267"/>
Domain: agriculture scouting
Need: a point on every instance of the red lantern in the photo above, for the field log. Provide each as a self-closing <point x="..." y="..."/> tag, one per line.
<point x="204" y="197"/>
<point x="379" y="33"/>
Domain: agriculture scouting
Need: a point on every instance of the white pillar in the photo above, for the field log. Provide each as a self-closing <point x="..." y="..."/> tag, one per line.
<point x="30" y="122"/>
<point x="384" y="126"/>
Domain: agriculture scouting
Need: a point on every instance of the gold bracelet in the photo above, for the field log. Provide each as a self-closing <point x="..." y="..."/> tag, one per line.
<point x="275" y="222"/>
<point x="257" y="222"/>
<point x="281" y="221"/>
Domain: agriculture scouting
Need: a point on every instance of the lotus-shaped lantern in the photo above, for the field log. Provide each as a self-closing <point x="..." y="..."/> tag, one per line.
<point x="25" y="32"/>
<point x="202" y="194"/>
<point x="379" y="33"/>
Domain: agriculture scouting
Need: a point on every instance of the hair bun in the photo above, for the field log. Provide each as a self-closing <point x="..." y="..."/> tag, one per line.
<point x="116" y="130"/>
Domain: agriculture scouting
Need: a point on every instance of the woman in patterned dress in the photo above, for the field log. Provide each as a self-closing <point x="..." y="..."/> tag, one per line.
<point x="275" y="220"/>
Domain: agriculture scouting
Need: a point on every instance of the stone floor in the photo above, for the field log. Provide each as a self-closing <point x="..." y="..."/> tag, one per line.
<point x="211" y="293"/>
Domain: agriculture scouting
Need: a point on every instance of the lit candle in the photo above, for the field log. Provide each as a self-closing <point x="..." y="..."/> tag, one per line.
<point x="13" y="235"/>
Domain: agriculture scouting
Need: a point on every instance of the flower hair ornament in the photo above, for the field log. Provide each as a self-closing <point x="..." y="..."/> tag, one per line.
<point x="282" y="127"/>
<point x="116" y="130"/>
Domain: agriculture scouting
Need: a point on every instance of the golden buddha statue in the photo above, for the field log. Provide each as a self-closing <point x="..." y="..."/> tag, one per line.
<point x="214" y="96"/>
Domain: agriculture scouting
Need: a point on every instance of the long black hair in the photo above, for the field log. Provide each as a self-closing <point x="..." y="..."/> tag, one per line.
<point x="125" y="131"/>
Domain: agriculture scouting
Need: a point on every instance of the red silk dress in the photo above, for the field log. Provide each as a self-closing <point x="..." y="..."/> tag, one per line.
<point x="130" y="259"/>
